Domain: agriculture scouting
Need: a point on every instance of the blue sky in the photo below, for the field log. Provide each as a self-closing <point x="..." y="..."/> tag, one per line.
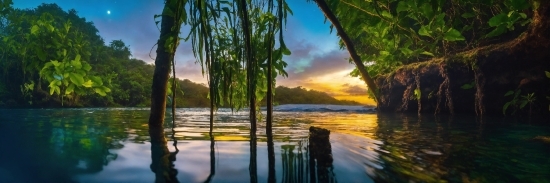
<point x="316" y="62"/>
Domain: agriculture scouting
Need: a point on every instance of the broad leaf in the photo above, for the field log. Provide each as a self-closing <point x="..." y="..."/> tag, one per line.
<point x="69" y="89"/>
<point x="100" y="91"/>
<point x="424" y="31"/>
<point x="34" y="29"/>
<point x="453" y="35"/>
<point x="498" y="19"/>
<point x="76" y="78"/>
<point x="88" y="84"/>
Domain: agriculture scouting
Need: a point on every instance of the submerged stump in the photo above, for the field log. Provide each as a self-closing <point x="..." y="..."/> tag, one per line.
<point x="320" y="155"/>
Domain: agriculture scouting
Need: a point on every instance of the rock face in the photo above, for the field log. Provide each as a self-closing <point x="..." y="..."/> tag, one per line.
<point x="476" y="81"/>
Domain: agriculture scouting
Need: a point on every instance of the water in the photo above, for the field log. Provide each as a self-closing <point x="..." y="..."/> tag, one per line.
<point x="113" y="145"/>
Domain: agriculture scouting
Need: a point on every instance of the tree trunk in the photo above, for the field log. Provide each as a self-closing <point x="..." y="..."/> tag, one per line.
<point x="351" y="48"/>
<point x="250" y="66"/>
<point x="162" y="72"/>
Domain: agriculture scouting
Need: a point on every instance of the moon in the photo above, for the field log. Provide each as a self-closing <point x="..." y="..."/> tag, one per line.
<point x="108" y="12"/>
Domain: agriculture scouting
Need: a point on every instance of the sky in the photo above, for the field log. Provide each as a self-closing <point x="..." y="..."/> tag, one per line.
<point x="316" y="62"/>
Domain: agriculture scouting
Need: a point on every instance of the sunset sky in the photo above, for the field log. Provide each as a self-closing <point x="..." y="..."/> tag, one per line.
<point x="316" y="62"/>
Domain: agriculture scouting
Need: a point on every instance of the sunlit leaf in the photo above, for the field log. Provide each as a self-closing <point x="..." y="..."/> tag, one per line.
<point x="88" y="84"/>
<point x="427" y="53"/>
<point x="34" y="29"/>
<point x="100" y="91"/>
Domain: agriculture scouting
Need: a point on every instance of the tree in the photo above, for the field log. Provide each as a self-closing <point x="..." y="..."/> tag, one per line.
<point x="172" y="18"/>
<point x="44" y="45"/>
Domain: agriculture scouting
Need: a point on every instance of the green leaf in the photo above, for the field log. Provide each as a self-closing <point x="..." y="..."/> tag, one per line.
<point x="100" y="91"/>
<point x="50" y="28"/>
<point x="497" y="31"/>
<point x="498" y="19"/>
<point x="88" y="84"/>
<point x="406" y="51"/>
<point x="426" y="10"/>
<point x="52" y="90"/>
<point x="467" y="86"/>
<point x="76" y="63"/>
<point x="387" y="14"/>
<point x="55" y="63"/>
<point x="427" y="53"/>
<point x="76" y="78"/>
<point x="86" y="67"/>
<point x="424" y="31"/>
<point x="41" y="54"/>
<point x="523" y="15"/>
<point x="34" y="30"/>
<point x="96" y="81"/>
<point x="107" y="90"/>
<point x="77" y="58"/>
<point x="509" y="93"/>
<point x="453" y="35"/>
<point x="547" y="74"/>
<point x="69" y="89"/>
<point x="402" y="6"/>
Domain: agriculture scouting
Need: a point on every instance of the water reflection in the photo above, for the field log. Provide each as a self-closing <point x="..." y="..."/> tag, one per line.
<point x="271" y="177"/>
<point x="162" y="159"/>
<point x="114" y="145"/>
<point x="253" y="166"/>
<point x="212" y="160"/>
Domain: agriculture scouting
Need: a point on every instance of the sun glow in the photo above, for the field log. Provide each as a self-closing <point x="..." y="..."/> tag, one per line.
<point x="335" y="84"/>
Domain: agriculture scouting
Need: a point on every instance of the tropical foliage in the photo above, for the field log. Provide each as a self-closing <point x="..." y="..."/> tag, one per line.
<point x="390" y="33"/>
<point x="52" y="57"/>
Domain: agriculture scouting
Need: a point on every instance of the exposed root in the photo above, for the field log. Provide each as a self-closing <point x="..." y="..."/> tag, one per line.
<point x="406" y="97"/>
<point x="418" y="98"/>
<point x="444" y="86"/>
<point x="480" y="83"/>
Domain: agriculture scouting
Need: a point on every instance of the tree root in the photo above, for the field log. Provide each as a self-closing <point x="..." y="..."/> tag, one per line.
<point x="444" y="87"/>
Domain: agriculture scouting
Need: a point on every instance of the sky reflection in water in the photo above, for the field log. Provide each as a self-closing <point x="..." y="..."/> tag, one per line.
<point x="113" y="145"/>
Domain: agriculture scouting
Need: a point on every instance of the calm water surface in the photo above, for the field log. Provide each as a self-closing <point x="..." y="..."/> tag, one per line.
<point x="113" y="145"/>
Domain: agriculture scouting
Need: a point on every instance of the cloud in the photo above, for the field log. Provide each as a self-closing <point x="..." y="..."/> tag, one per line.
<point x="189" y="70"/>
<point x="354" y="89"/>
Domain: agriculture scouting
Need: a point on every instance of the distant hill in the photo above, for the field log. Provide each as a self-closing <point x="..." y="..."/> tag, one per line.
<point x="195" y="95"/>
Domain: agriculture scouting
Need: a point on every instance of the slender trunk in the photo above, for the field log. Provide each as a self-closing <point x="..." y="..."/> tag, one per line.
<point x="269" y="121"/>
<point x="174" y="94"/>
<point x="351" y="48"/>
<point x="162" y="72"/>
<point x="269" y="46"/>
<point x="250" y="68"/>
